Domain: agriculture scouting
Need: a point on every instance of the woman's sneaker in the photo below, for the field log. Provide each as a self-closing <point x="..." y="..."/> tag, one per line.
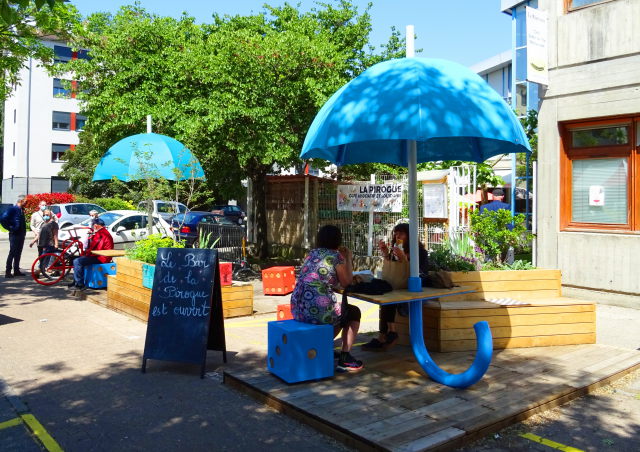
<point x="347" y="363"/>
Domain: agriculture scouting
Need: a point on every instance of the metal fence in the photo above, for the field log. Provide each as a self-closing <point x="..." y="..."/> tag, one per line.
<point x="224" y="238"/>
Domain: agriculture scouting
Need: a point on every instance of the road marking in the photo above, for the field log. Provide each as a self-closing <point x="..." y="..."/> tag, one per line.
<point x="41" y="433"/>
<point x="10" y="423"/>
<point x="549" y="443"/>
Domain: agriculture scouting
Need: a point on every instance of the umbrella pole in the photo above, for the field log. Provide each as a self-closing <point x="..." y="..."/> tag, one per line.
<point x="414" y="284"/>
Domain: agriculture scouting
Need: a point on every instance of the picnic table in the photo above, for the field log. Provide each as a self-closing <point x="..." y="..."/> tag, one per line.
<point x="483" y="334"/>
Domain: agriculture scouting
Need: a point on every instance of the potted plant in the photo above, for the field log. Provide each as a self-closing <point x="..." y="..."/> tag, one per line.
<point x="146" y="251"/>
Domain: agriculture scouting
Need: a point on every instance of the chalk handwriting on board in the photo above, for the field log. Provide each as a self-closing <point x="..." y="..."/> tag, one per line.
<point x="165" y="259"/>
<point x="185" y="314"/>
<point x="191" y="260"/>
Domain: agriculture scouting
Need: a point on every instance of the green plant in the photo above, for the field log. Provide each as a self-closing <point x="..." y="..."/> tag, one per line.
<point x="442" y="257"/>
<point x="108" y="203"/>
<point x="204" y="240"/>
<point x="146" y="250"/>
<point x="462" y="244"/>
<point x="496" y="231"/>
<point x="517" y="265"/>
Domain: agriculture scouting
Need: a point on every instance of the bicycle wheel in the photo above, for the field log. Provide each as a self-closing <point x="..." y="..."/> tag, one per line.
<point x="48" y="269"/>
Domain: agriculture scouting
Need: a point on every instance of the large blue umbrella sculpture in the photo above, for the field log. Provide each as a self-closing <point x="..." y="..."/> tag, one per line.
<point x="408" y="111"/>
<point x="148" y="155"/>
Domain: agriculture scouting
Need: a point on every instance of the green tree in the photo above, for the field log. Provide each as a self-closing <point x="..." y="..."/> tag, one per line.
<point x="139" y="65"/>
<point x="22" y="24"/>
<point x="240" y="92"/>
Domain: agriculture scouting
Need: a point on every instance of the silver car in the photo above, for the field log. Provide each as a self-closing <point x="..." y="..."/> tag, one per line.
<point x="73" y="213"/>
<point x="125" y="226"/>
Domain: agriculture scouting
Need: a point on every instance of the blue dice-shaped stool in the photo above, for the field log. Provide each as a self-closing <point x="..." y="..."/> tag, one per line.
<point x="300" y="351"/>
<point x="95" y="276"/>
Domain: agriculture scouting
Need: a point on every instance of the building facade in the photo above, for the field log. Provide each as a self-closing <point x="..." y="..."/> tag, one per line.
<point x="41" y="123"/>
<point x="588" y="207"/>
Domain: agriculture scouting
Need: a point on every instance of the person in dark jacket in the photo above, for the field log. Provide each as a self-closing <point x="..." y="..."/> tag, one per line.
<point x="100" y="240"/>
<point x="15" y="222"/>
<point x="497" y="203"/>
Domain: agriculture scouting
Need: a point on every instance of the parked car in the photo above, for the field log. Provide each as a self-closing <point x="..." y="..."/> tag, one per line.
<point x="166" y="209"/>
<point x="73" y="213"/>
<point x="125" y="226"/>
<point x="185" y="225"/>
<point x="234" y="213"/>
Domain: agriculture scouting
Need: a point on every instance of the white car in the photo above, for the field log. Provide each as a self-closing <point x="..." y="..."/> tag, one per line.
<point x="125" y="226"/>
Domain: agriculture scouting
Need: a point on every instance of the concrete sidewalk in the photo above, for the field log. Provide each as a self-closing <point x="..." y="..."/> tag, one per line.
<point x="76" y="368"/>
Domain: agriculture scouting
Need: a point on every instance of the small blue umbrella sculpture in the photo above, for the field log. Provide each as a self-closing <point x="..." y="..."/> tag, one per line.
<point x="408" y="111"/>
<point x="138" y="156"/>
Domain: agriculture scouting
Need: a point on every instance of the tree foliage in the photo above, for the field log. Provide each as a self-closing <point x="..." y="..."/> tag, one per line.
<point x="22" y="24"/>
<point x="240" y="92"/>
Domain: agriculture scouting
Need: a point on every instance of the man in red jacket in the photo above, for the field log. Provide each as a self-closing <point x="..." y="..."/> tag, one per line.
<point x="100" y="240"/>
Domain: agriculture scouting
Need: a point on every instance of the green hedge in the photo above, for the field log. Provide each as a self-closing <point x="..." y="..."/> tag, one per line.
<point x="109" y="203"/>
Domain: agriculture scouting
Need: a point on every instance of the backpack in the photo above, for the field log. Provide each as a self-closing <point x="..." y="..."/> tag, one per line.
<point x="4" y="219"/>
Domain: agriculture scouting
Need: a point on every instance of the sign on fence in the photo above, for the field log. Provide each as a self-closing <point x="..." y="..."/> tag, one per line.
<point x="370" y="197"/>
<point x="435" y="201"/>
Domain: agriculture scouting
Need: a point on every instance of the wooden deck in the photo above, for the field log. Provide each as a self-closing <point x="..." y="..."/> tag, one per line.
<point x="390" y="405"/>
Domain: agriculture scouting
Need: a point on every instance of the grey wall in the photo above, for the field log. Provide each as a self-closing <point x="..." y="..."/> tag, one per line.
<point x="594" y="58"/>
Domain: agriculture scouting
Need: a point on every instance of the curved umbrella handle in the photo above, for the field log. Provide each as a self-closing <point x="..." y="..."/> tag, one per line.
<point x="484" y="351"/>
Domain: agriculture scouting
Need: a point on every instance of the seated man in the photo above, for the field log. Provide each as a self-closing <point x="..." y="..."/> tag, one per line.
<point x="100" y="240"/>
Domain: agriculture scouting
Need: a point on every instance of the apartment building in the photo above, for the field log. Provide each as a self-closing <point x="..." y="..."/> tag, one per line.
<point x="41" y="123"/>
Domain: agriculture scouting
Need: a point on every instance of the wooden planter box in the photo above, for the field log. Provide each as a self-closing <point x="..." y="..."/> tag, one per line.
<point x="125" y="293"/>
<point x="546" y="319"/>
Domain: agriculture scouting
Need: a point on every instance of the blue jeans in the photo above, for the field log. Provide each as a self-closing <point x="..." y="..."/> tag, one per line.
<point x="16" y="242"/>
<point x="78" y="268"/>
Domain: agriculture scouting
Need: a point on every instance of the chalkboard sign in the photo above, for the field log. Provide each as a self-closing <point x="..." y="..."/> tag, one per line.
<point x="185" y="315"/>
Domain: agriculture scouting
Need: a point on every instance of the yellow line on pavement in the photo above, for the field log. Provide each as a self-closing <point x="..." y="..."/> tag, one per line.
<point x="549" y="443"/>
<point x="10" y="423"/>
<point x="41" y="433"/>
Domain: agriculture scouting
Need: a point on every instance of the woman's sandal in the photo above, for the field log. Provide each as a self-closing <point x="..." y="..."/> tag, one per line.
<point x="374" y="345"/>
<point x="392" y="338"/>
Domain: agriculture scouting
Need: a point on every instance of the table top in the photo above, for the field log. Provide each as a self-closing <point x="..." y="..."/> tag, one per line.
<point x="109" y="253"/>
<point x="403" y="295"/>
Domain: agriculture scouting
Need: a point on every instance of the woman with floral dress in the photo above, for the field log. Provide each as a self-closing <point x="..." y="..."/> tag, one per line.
<point x="313" y="300"/>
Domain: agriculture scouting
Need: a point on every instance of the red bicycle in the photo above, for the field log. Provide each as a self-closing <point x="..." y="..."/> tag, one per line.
<point x="50" y="268"/>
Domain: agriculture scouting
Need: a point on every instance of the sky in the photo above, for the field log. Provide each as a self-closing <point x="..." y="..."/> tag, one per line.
<point x="465" y="31"/>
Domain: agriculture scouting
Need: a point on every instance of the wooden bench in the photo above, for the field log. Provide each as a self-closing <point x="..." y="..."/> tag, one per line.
<point x="546" y="319"/>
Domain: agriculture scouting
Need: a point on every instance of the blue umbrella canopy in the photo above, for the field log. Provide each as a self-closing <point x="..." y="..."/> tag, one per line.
<point x="449" y="111"/>
<point x="148" y="155"/>
<point x="413" y="110"/>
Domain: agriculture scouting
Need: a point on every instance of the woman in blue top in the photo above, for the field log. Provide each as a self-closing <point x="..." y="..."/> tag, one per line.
<point x="313" y="299"/>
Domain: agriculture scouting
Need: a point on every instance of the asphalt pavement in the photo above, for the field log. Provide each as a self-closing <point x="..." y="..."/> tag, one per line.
<point x="70" y="380"/>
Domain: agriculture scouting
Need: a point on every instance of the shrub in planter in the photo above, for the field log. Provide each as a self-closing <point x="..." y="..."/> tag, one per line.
<point x="443" y="257"/>
<point x="146" y="250"/>
<point x="494" y="232"/>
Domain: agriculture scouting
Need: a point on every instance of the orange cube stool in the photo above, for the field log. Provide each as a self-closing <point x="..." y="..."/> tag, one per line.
<point x="225" y="273"/>
<point x="278" y="280"/>
<point x="284" y="312"/>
